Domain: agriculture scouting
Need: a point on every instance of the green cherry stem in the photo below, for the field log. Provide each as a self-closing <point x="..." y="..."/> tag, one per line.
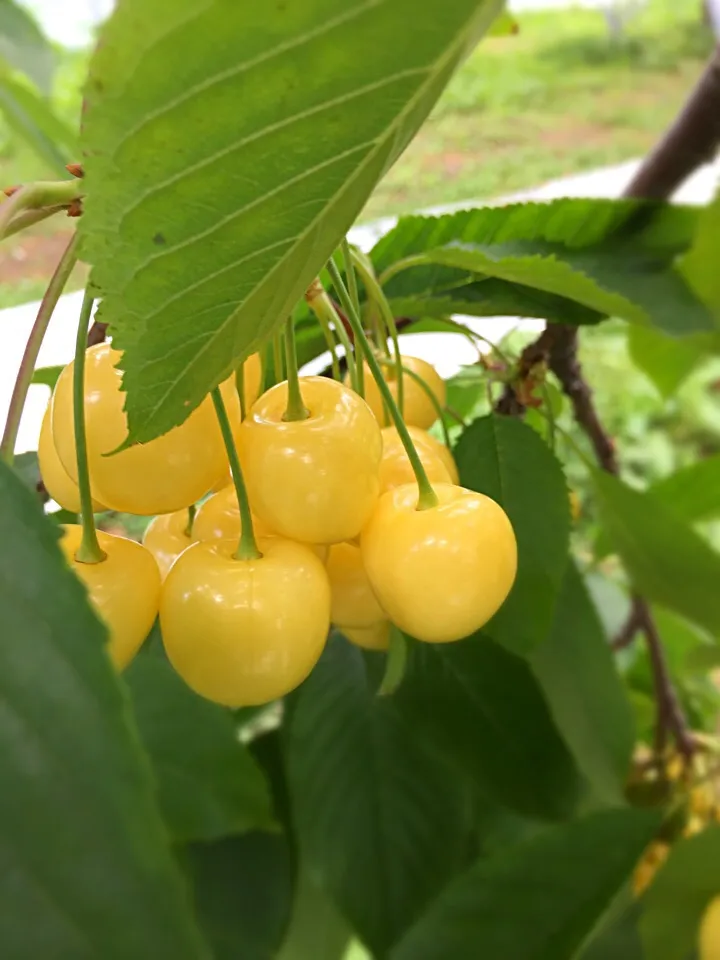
<point x="427" y="497"/>
<point x="296" y="409"/>
<point x="330" y="342"/>
<point x="353" y="291"/>
<point x="247" y="547"/>
<point x="34" y="196"/>
<point x="240" y="387"/>
<point x="395" y="664"/>
<point x="89" y="550"/>
<point x="321" y="305"/>
<point x="32" y="348"/>
<point x="376" y="294"/>
<point x="192" y="510"/>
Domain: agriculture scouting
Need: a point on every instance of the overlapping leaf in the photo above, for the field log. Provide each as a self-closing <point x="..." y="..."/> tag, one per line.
<point x="221" y="175"/>
<point x="700" y="264"/>
<point x="85" y="867"/>
<point x="24" y="46"/>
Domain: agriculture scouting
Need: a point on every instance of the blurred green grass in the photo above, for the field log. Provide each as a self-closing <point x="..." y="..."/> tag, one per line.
<point x="558" y="98"/>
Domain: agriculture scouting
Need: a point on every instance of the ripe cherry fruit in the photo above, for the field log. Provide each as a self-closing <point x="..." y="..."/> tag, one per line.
<point x="161" y="476"/>
<point x="709" y="937"/>
<point x="312" y="480"/>
<point x="124" y="589"/>
<point x="375" y="637"/>
<point x="58" y="483"/>
<point x="166" y="536"/>
<point x="395" y="467"/>
<point x="353" y="602"/>
<point x="418" y="408"/>
<point x="442" y="572"/>
<point x="245" y="632"/>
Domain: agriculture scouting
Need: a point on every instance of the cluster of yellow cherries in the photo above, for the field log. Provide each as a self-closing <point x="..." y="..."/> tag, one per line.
<point x="352" y="523"/>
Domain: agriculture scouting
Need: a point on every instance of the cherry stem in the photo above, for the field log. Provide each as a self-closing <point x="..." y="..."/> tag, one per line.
<point x="321" y="305"/>
<point x="296" y="409"/>
<point x="32" y="348"/>
<point x="416" y="260"/>
<point x="247" y="547"/>
<point x="192" y="510"/>
<point x="240" y="387"/>
<point x="33" y="196"/>
<point x="376" y="294"/>
<point x="330" y="341"/>
<point x="395" y="663"/>
<point x="427" y="497"/>
<point x="433" y="400"/>
<point x="89" y="550"/>
<point x="353" y="291"/>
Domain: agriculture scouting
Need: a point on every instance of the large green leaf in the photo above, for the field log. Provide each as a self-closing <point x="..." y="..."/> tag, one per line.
<point x="507" y="460"/>
<point x="221" y="176"/>
<point x="693" y="492"/>
<point x="209" y="785"/>
<point x="615" y="257"/>
<point x="537" y="900"/>
<point x="380" y="820"/>
<point x="316" y="931"/>
<point x="700" y="263"/>
<point x="482" y="708"/>
<point x="679" y="894"/>
<point x="85" y="867"/>
<point x="619" y="937"/>
<point x="243" y="893"/>
<point x="30" y="116"/>
<point x="668" y="563"/>
<point x="576" y="669"/>
<point x="24" y="46"/>
<point x="667" y="361"/>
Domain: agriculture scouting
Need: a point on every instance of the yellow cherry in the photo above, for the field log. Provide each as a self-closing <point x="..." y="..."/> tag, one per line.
<point x="252" y="380"/>
<point x="161" y="476"/>
<point x="424" y="443"/>
<point x="244" y="632"/>
<point x="218" y="518"/>
<point x="312" y="480"/>
<point x="124" y="589"/>
<point x="61" y="487"/>
<point x="439" y="573"/>
<point x="709" y="936"/>
<point x="166" y="537"/>
<point x="353" y="603"/>
<point x="396" y="470"/>
<point x="418" y="408"/>
<point x="375" y="637"/>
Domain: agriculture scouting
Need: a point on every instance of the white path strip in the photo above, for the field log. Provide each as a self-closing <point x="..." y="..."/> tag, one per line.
<point x="447" y="351"/>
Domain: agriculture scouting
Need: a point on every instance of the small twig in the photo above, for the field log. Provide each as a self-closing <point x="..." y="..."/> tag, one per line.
<point x="97" y="333"/>
<point x="628" y="631"/>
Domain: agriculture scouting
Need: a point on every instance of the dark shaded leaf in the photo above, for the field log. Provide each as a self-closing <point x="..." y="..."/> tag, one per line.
<point x="380" y="821"/>
<point x="85" y="868"/>
<point x="481" y="707"/>
<point x="538" y="900"/>
<point x="577" y="672"/>
<point x="507" y="460"/>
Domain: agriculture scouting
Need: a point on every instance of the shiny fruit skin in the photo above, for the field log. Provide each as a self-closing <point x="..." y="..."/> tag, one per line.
<point x="252" y="382"/>
<point x="424" y="443"/>
<point x="709" y="936"/>
<point x="124" y="589"/>
<point x="440" y="573"/>
<point x="166" y="538"/>
<point x="218" y="518"/>
<point x="352" y="600"/>
<point x="161" y="476"/>
<point x="375" y="637"/>
<point x="418" y="409"/>
<point x="61" y="487"/>
<point x="313" y="480"/>
<point x="396" y="469"/>
<point x="245" y="632"/>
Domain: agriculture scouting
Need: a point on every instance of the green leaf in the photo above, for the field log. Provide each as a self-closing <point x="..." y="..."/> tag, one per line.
<point x="667" y="361"/>
<point x="506" y="460"/>
<point x="693" y="492"/>
<point x="481" y="707"/>
<point x="243" y="893"/>
<point x="30" y="116"/>
<point x="381" y="822"/>
<point x="27" y="468"/>
<point x="316" y="931"/>
<point x="221" y="176"/>
<point x="24" y="46"/>
<point x="537" y="900"/>
<point x="577" y="672"/>
<point x="667" y="562"/>
<point x="209" y="785"/>
<point x="85" y="868"/>
<point x="619" y="937"/>
<point x="679" y="894"/>
<point x="699" y="265"/>
<point x="503" y="25"/>
<point x="615" y="257"/>
<point x="47" y="376"/>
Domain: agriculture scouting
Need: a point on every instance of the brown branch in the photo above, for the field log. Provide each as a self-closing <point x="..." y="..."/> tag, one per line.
<point x="691" y="141"/>
<point x="97" y="333"/>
